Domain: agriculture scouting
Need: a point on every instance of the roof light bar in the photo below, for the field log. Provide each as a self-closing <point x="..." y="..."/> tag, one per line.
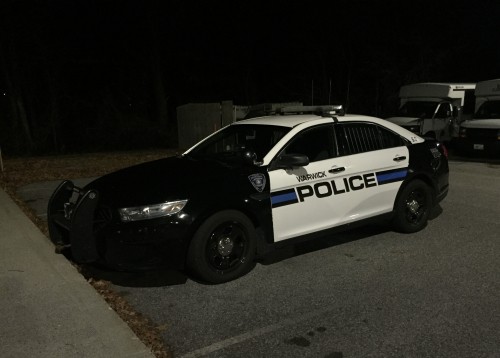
<point x="325" y="111"/>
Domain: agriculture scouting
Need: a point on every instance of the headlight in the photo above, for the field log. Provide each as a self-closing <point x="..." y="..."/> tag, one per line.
<point x="151" y="211"/>
<point x="463" y="132"/>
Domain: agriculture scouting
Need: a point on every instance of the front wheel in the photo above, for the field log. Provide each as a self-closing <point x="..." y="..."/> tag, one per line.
<point x="412" y="207"/>
<point x="223" y="247"/>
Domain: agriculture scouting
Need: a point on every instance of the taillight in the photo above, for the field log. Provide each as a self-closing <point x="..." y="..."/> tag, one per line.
<point x="445" y="151"/>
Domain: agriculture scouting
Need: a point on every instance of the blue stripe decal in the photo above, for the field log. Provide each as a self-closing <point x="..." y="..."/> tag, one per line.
<point x="285" y="197"/>
<point x="391" y="176"/>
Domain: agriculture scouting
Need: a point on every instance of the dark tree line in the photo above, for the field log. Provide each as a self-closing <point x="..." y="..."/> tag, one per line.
<point x="101" y="75"/>
<point x="75" y="78"/>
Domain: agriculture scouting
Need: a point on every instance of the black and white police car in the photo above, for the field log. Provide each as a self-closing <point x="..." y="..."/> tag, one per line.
<point x="253" y="187"/>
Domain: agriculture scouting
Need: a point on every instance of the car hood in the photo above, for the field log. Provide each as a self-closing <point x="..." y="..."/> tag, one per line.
<point x="482" y="123"/>
<point x="169" y="179"/>
<point x="404" y="121"/>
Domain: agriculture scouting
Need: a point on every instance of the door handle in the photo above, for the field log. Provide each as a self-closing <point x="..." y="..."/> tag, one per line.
<point x="398" y="159"/>
<point x="336" y="170"/>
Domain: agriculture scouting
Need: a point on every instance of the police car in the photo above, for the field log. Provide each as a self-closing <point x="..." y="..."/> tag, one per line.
<point x="253" y="187"/>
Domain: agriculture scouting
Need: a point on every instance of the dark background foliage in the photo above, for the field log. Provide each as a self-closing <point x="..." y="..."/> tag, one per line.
<point x="85" y="75"/>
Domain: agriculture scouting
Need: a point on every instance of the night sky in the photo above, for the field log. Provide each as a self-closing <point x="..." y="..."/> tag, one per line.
<point x="94" y="65"/>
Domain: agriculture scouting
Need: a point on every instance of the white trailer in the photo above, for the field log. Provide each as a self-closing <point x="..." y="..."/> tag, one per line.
<point x="482" y="132"/>
<point x="435" y="109"/>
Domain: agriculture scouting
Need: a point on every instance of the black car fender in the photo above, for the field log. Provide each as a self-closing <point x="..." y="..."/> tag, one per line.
<point x="417" y="176"/>
<point x="421" y="167"/>
<point x="256" y="206"/>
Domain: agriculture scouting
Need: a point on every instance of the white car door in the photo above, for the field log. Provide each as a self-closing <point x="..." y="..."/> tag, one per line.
<point x="381" y="158"/>
<point x="301" y="196"/>
<point x="359" y="181"/>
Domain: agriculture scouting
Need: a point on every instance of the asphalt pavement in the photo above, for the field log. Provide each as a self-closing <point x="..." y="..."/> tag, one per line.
<point x="375" y="293"/>
<point x="47" y="308"/>
<point x="368" y="292"/>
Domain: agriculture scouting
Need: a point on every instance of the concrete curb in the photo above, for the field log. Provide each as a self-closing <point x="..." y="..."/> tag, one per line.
<point x="47" y="307"/>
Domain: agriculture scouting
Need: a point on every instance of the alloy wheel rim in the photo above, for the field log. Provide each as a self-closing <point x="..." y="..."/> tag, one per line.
<point x="416" y="207"/>
<point x="226" y="247"/>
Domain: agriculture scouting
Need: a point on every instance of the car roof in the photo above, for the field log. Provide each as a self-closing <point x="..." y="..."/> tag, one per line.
<point x="294" y="120"/>
<point x="308" y="120"/>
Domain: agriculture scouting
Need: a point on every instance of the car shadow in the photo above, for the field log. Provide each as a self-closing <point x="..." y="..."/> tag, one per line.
<point x="147" y="278"/>
<point x="150" y="278"/>
<point x="330" y="240"/>
<point x="325" y="242"/>
<point x="436" y="212"/>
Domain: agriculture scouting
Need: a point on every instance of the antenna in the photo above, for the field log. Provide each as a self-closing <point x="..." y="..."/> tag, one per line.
<point x="330" y="93"/>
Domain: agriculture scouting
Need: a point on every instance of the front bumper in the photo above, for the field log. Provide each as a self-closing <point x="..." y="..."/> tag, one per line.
<point x="78" y="218"/>
<point x="478" y="144"/>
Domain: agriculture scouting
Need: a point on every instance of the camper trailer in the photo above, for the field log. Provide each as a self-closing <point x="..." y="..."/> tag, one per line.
<point x="482" y="132"/>
<point x="435" y="109"/>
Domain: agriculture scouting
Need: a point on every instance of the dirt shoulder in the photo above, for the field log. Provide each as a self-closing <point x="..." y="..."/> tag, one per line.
<point x="18" y="172"/>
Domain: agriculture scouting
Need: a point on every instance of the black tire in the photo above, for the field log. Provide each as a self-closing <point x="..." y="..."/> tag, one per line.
<point x="223" y="248"/>
<point x="412" y="207"/>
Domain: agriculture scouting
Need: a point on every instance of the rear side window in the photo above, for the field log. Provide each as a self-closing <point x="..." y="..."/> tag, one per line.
<point x="391" y="139"/>
<point x="354" y="138"/>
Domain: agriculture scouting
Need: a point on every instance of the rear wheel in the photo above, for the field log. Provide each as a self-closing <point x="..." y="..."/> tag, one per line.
<point x="412" y="207"/>
<point x="223" y="247"/>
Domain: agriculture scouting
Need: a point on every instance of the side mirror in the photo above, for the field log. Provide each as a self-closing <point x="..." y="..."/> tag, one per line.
<point x="250" y="156"/>
<point x="292" y="160"/>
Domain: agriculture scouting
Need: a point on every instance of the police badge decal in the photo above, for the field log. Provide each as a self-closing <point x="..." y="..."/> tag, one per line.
<point x="258" y="181"/>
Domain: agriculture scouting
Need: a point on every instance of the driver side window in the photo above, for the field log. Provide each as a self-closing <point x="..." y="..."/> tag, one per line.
<point x="317" y="144"/>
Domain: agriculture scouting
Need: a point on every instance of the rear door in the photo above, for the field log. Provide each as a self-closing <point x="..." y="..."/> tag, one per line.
<point x="376" y="163"/>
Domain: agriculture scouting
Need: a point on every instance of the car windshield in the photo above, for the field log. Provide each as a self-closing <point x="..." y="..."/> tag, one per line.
<point x="488" y="110"/>
<point x="229" y="144"/>
<point x="418" y="109"/>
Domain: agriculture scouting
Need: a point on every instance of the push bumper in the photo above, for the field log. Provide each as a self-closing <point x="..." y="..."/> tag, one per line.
<point x="76" y="218"/>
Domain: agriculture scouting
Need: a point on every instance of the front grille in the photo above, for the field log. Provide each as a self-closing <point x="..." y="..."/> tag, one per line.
<point x="102" y="216"/>
<point x="482" y="133"/>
